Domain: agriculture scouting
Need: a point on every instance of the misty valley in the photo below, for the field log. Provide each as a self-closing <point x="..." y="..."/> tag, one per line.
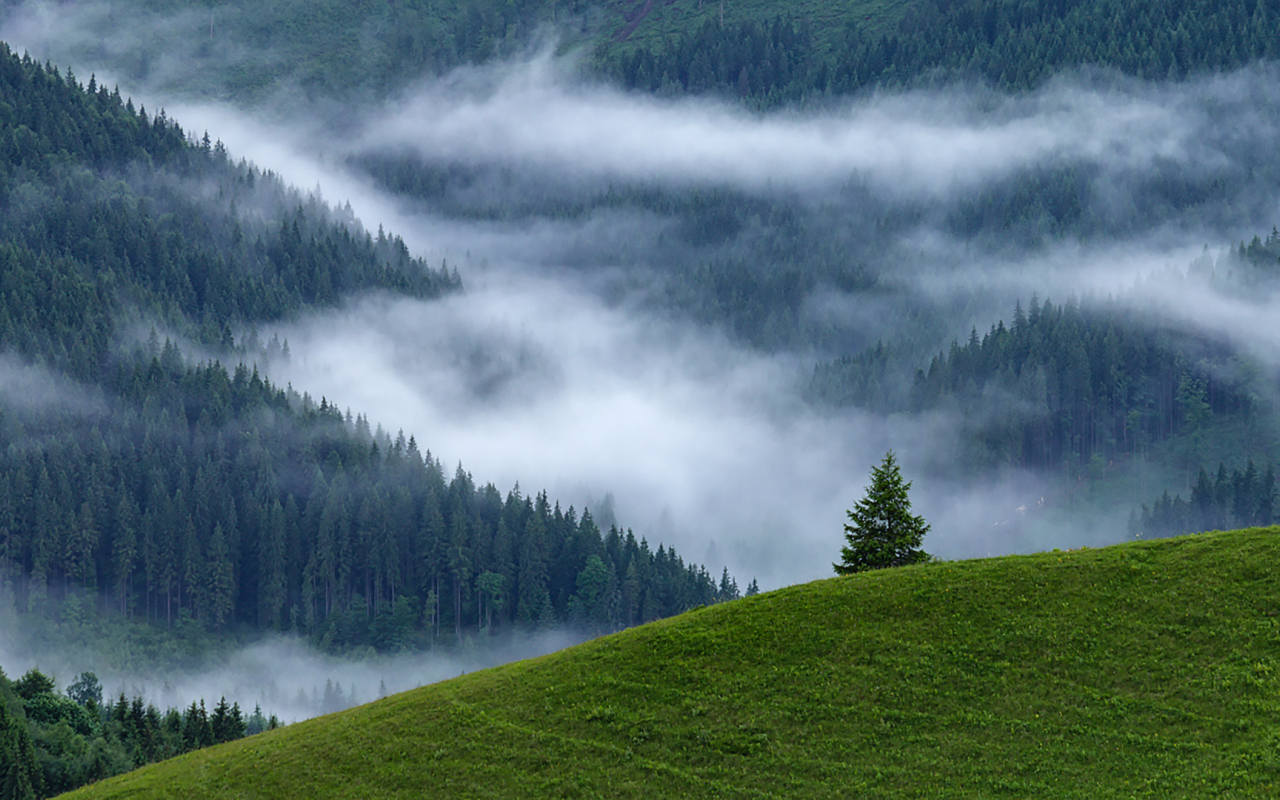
<point x="350" y="348"/>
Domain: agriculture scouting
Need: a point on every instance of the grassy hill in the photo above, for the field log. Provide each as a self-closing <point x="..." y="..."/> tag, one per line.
<point x="1145" y="669"/>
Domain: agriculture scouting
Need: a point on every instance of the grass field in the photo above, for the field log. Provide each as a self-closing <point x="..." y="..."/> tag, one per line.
<point x="1141" y="670"/>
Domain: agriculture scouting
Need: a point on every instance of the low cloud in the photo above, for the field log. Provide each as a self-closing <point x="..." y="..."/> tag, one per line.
<point x="546" y="372"/>
<point x="27" y="388"/>
<point x="539" y="115"/>
<point x="284" y="676"/>
<point x="699" y="440"/>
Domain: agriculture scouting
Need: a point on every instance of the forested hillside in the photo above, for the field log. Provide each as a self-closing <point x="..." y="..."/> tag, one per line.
<point x="740" y="260"/>
<point x="774" y="55"/>
<point x="766" y="53"/>
<point x="53" y="741"/>
<point x="1069" y="385"/>
<point x="222" y="497"/>
<point x="328" y="49"/>
<point x="1095" y="386"/>
<point x="760" y="188"/>
<point x="172" y="487"/>
<point x="114" y="217"/>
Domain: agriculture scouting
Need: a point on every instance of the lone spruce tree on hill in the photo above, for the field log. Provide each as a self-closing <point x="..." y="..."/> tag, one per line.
<point x="882" y="531"/>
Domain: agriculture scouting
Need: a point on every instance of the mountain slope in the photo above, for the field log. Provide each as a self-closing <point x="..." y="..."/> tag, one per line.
<point x="777" y="54"/>
<point x="1148" y="667"/>
<point x="772" y="53"/>
<point x="160" y="486"/>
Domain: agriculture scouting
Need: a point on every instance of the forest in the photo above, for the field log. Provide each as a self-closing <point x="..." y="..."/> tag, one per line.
<point x="156" y="475"/>
<point x="1002" y="43"/>
<point x="1093" y="385"/>
<point x="52" y="742"/>
<point x="186" y="241"/>
<point x="164" y="486"/>
<point x="769" y="55"/>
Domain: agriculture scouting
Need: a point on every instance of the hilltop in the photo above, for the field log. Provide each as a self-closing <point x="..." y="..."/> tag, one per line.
<point x="1147" y="667"/>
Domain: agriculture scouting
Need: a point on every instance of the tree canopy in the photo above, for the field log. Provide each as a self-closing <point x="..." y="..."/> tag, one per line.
<point x="882" y="531"/>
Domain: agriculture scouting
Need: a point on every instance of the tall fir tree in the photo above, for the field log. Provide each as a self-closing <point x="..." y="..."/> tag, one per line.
<point x="882" y="531"/>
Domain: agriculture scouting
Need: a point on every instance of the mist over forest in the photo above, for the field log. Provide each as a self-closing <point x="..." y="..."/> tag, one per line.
<point x="681" y="264"/>
<point x="519" y="289"/>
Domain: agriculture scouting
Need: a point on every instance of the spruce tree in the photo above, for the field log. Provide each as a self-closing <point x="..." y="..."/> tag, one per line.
<point x="882" y="532"/>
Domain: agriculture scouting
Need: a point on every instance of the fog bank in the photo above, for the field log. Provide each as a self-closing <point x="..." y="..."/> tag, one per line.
<point x="556" y="367"/>
<point x="285" y="676"/>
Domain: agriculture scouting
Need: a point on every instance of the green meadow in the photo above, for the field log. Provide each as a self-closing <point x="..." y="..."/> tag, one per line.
<point x="1146" y="669"/>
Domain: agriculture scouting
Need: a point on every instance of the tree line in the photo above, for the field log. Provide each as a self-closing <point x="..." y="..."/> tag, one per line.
<point x="1075" y="385"/>
<point x="1241" y="498"/>
<point x="112" y="217"/>
<point x="1006" y="44"/>
<point x="195" y="492"/>
<point x="1089" y="386"/>
<point x="52" y="742"/>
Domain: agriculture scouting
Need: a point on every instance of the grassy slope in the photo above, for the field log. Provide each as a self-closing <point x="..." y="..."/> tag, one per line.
<point x="1147" y="669"/>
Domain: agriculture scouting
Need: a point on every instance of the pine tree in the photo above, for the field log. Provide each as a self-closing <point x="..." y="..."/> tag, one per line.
<point x="882" y="532"/>
<point x="20" y="777"/>
<point x="219" y="590"/>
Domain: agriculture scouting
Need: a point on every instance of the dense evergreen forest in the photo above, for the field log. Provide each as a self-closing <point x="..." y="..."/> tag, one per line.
<point x="52" y="742"/>
<point x="768" y="54"/>
<point x="214" y="495"/>
<point x="747" y="263"/>
<point x="1235" y="499"/>
<point x="291" y="514"/>
<point x="1009" y="44"/>
<point x="153" y="477"/>
<point x="113" y="218"/>
<point x="184" y="240"/>
<point x="1068" y="385"/>
<point x="329" y="49"/>
<point x="1093" y="385"/>
<point x="168" y="487"/>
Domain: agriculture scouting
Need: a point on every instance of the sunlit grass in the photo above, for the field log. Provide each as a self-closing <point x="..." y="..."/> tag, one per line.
<point x="1146" y="669"/>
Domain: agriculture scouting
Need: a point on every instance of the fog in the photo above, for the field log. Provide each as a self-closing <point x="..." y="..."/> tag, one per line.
<point x="284" y="676"/>
<point x="556" y="369"/>
<point x="537" y="115"/>
<point x="547" y="376"/>
<point x="26" y="387"/>
<point x="537" y="374"/>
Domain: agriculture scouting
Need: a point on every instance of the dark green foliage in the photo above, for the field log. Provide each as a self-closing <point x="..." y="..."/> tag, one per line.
<point x="109" y="215"/>
<point x="33" y="684"/>
<point x="86" y="691"/>
<point x="1006" y="43"/>
<point x="1075" y="386"/>
<point x="767" y="55"/>
<point x="195" y="492"/>
<point x="882" y="532"/>
<point x="226" y="722"/>
<point x="50" y="709"/>
<point x="19" y="774"/>
<point x="320" y="48"/>
<point x="20" y="777"/>
<point x="293" y="516"/>
<point x="765" y="62"/>
<point x="50" y="745"/>
<point x="1241" y="498"/>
